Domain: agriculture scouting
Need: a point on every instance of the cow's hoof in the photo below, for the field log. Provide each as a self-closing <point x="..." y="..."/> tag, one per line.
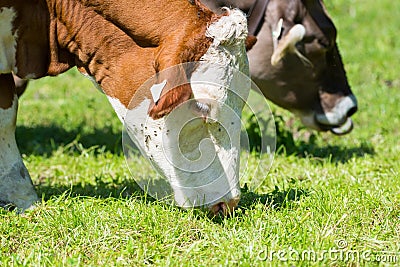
<point x="16" y="189"/>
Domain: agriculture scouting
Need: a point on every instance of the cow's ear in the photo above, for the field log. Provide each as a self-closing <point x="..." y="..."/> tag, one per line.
<point x="251" y="40"/>
<point x="168" y="67"/>
<point x="170" y="100"/>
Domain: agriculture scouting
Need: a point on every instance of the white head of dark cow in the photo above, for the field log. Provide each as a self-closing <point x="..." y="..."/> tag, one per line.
<point x="297" y="65"/>
<point x="121" y="49"/>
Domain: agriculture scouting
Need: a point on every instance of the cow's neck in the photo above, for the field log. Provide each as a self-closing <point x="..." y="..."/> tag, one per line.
<point x="80" y="32"/>
<point x="102" y="49"/>
<point x="174" y="26"/>
<point x="150" y="22"/>
<point x="109" y="54"/>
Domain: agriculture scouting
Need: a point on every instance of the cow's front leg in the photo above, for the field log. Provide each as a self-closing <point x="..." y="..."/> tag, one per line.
<point x="16" y="188"/>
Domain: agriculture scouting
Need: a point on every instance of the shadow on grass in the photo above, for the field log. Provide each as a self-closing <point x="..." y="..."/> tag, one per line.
<point x="288" y="144"/>
<point x="276" y="199"/>
<point x="100" y="189"/>
<point x="43" y="140"/>
<point x="336" y="153"/>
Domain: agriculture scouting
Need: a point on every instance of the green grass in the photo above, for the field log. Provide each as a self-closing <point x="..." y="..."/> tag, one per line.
<point x="322" y="190"/>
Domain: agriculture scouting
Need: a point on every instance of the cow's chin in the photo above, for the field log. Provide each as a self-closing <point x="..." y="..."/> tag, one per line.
<point x="197" y="156"/>
<point x="310" y="120"/>
<point x="207" y="188"/>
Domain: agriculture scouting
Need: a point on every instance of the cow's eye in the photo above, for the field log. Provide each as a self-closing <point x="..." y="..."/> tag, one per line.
<point x="308" y="39"/>
<point x="324" y="43"/>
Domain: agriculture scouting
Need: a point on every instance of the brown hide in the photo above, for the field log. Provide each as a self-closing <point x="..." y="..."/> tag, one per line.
<point x="7" y="90"/>
<point x="177" y="32"/>
<point x="32" y="26"/>
<point x="120" y="43"/>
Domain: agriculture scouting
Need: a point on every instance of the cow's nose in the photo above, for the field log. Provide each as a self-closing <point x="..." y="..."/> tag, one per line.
<point x="349" y="105"/>
<point x="224" y="208"/>
<point x="338" y="115"/>
<point x="352" y="110"/>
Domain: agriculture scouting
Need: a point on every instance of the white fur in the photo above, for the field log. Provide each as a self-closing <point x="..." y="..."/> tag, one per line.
<point x="15" y="183"/>
<point x="200" y="166"/>
<point x="338" y="115"/>
<point x="118" y="107"/>
<point x="228" y="29"/>
<point x="8" y="41"/>
<point x="156" y="90"/>
<point x="200" y="159"/>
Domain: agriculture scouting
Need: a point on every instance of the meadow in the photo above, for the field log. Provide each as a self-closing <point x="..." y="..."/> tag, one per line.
<point x="327" y="200"/>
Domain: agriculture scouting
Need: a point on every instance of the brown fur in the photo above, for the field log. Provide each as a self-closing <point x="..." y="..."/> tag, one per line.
<point x="120" y="43"/>
<point x="173" y="46"/>
<point x="170" y="100"/>
<point x="250" y="42"/>
<point x="7" y="90"/>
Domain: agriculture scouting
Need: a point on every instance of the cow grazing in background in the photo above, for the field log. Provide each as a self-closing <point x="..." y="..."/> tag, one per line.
<point x="120" y="45"/>
<point x="296" y="61"/>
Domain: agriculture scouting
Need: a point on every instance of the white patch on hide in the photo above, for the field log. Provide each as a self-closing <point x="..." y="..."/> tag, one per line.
<point x="338" y="115"/>
<point x="197" y="177"/>
<point x="156" y="90"/>
<point x="7" y="128"/>
<point x="118" y="107"/>
<point x="8" y="42"/>
<point x="15" y="183"/>
<point x="228" y="29"/>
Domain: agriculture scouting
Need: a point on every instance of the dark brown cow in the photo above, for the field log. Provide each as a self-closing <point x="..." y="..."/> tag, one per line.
<point x="120" y="45"/>
<point x="296" y="62"/>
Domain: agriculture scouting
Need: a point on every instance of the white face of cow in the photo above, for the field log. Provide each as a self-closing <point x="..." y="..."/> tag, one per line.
<point x="196" y="147"/>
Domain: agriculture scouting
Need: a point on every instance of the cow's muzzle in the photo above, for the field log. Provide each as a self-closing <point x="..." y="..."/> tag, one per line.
<point x="338" y="120"/>
<point x="224" y="208"/>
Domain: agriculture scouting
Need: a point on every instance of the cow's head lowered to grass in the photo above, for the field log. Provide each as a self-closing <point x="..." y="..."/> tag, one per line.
<point x="196" y="145"/>
<point x="296" y="61"/>
<point x="305" y="72"/>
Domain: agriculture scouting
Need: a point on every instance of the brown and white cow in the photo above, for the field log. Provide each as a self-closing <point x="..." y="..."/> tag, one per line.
<point x="296" y="61"/>
<point x="120" y="45"/>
